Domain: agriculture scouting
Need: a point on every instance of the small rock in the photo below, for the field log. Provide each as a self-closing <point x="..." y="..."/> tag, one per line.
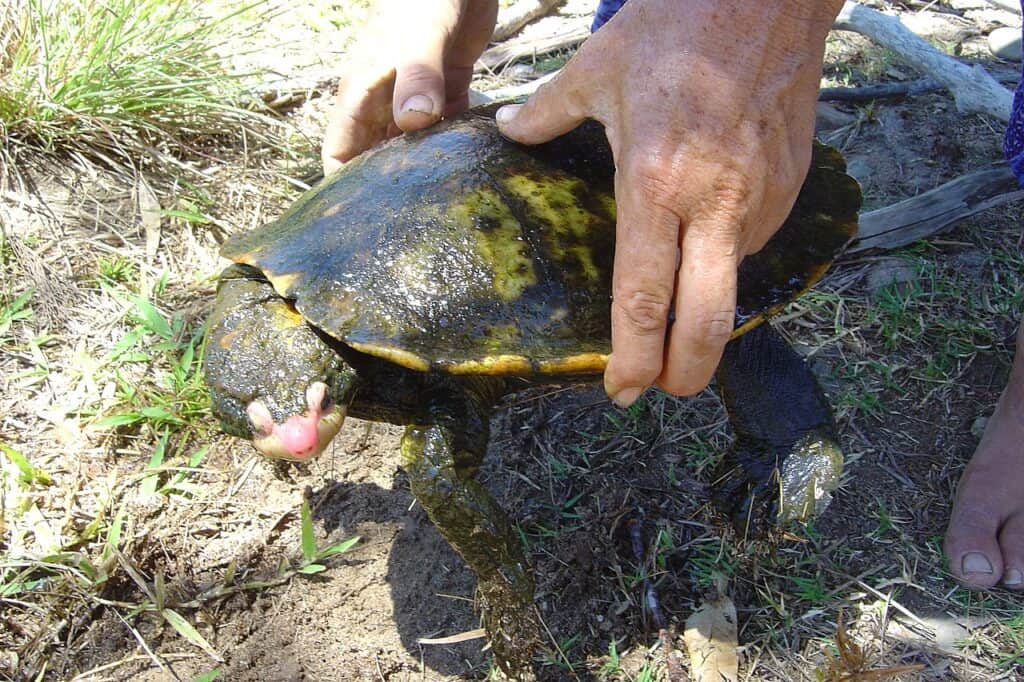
<point x="859" y="167"/>
<point x="889" y="271"/>
<point x="830" y="118"/>
<point x="978" y="427"/>
<point x="972" y="261"/>
<point x="940" y="26"/>
<point x="1004" y="42"/>
<point x="521" y="71"/>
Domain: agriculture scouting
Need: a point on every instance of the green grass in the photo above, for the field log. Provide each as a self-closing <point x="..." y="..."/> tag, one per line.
<point x="172" y="399"/>
<point x="711" y="561"/>
<point x="118" y="81"/>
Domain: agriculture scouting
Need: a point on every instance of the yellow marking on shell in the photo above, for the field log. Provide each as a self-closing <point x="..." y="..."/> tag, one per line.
<point x="495" y="365"/>
<point x="287" y="316"/>
<point x="608" y="201"/>
<point x="283" y="283"/>
<point x="555" y="201"/>
<point x="499" y="241"/>
<point x="405" y="358"/>
<point x="332" y="210"/>
<point x="248" y="258"/>
<point x="584" y="363"/>
<point x="583" y="254"/>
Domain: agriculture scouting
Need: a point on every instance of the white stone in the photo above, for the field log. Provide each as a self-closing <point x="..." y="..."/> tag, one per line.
<point x="1004" y="42"/>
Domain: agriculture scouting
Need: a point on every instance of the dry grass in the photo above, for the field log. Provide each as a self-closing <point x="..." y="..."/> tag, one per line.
<point x="120" y="504"/>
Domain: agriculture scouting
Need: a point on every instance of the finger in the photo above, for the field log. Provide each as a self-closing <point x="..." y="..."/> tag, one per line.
<point x="474" y="32"/>
<point x="647" y="237"/>
<point x="419" y="95"/>
<point x="359" y="118"/>
<point x="705" y="304"/>
<point x="554" y="109"/>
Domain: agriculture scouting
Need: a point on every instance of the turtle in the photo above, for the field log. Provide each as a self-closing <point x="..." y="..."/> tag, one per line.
<point x="441" y="271"/>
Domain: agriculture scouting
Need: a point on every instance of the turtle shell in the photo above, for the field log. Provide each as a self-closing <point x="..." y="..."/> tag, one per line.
<point x="457" y="250"/>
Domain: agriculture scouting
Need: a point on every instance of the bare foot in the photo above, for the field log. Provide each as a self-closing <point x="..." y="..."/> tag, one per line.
<point x="985" y="540"/>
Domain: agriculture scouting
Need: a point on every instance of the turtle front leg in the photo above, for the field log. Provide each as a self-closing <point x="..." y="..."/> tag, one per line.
<point x="470" y="519"/>
<point x="786" y="459"/>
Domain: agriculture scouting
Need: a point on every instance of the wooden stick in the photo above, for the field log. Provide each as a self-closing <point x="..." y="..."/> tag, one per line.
<point x="513" y="18"/>
<point x="972" y="87"/>
<point x="936" y="210"/>
<point x="878" y="91"/>
<point x="568" y="34"/>
<point x="1011" y="5"/>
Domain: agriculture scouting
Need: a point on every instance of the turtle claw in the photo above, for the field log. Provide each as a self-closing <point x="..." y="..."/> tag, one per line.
<point x="761" y="485"/>
<point x="746" y="490"/>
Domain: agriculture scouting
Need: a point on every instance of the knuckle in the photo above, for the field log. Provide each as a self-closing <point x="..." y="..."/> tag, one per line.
<point x="645" y="312"/>
<point x="651" y="177"/>
<point x="732" y="193"/>
<point x="712" y="330"/>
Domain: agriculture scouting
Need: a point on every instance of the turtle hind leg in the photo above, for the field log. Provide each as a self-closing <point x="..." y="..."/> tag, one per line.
<point x="471" y="520"/>
<point x="786" y="460"/>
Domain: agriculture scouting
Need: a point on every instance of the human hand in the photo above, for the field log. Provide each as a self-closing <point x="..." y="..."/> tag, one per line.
<point x="708" y="106"/>
<point x="412" y="67"/>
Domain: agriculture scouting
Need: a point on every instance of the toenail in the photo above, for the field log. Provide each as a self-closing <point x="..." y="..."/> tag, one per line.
<point x="976" y="562"/>
<point x="1012" y="578"/>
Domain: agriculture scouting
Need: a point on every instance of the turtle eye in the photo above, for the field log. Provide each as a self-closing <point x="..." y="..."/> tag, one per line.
<point x="326" y="403"/>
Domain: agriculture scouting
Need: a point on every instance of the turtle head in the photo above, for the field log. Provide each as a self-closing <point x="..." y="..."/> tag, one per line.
<point x="301" y="435"/>
<point x="273" y="378"/>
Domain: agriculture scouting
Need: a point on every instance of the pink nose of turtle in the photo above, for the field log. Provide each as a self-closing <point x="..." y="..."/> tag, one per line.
<point x="299" y="435"/>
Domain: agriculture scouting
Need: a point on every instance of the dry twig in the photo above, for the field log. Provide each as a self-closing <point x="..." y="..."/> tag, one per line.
<point x="972" y="87"/>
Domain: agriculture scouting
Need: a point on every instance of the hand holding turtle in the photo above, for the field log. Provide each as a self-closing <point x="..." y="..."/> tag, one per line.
<point x="413" y="67"/>
<point x="709" y="110"/>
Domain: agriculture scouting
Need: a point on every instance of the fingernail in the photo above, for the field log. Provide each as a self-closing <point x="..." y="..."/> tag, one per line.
<point x="507" y="112"/>
<point x="626" y="396"/>
<point x="420" y="104"/>
<point x="976" y="562"/>
<point x="1012" y="578"/>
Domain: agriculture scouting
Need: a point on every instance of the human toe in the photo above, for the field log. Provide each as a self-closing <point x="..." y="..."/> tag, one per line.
<point x="1011" y="544"/>
<point x="971" y="544"/>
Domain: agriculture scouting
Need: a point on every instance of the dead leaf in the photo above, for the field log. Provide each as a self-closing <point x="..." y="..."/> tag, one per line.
<point x="149" y="210"/>
<point x="711" y="640"/>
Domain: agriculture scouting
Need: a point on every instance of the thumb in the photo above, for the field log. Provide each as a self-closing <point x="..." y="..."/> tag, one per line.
<point x="553" y="110"/>
<point x="419" y="93"/>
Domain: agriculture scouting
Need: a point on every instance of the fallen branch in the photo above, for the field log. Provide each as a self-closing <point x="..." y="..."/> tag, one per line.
<point x="513" y="18"/>
<point x="936" y="210"/>
<point x="1010" y="5"/>
<point x="864" y="93"/>
<point x="569" y="34"/>
<point x="509" y="92"/>
<point x="972" y="87"/>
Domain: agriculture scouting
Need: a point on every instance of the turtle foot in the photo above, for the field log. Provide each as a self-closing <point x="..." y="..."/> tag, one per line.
<point x="474" y="524"/>
<point x="512" y="627"/>
<point x="786" y="460"/>
<point x="760" y="485"/>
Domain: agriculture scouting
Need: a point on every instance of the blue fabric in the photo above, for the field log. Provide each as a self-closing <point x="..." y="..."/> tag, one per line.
<point x="606" y="9"/>
<point x="1013" y="142"/>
